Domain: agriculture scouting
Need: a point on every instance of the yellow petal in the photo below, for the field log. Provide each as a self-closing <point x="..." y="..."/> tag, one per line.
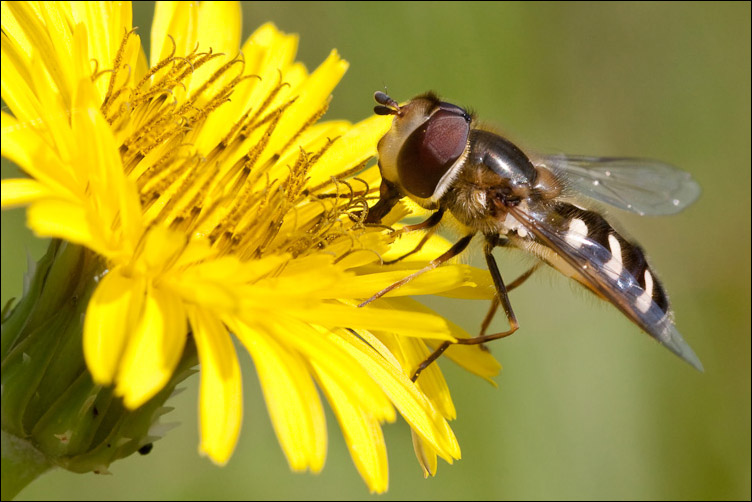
<point x="179" y="20"/>
<point x="352" y="149"/>
<point x="57" y="25"/>
<point x="411" y="403"/>
<point x="226" y="41"/>
<point x="404" y="322"/>
<point x="14" y="31"/>
<point x="22" y="145"/>
<point x="426" y="455"/>
<point x="32" y="23"/>
<point x="362" y="432"/>
<point x="312" y="97"/>
<point x="113" y="197"/>
<point x="106" y="24"/>
<point x="291" y="398"/>
<point x="218" y="282"/>
<point x="480" y="286"/>
<point x="18" y="93"/>
<point x="229" y="16"/>
<point x="268" y="51"/>
<point x="312" y="139"/>
<point x="318" y="346"/>
<point x="54" y="120"/>
<point x="221" y="398"/>
<point x="111" y="317"/>
<point x="19" y="192"/>
<point x="411" y="352"/>
<point x="64" y="220"/>
<point x="153" y="349"/>
<point x="161" y="246"/>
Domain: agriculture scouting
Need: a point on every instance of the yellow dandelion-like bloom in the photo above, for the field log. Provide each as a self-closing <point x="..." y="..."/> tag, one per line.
<point x="214" y="204"/>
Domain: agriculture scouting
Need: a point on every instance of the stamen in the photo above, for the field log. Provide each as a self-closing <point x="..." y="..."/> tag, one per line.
<point x="116" y="67"/>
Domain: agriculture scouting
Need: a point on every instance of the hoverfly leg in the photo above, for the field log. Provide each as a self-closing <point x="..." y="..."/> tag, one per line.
<point x="495" y="302"/>
<point x="389" y="195"/>
<point x="429" y="224"/>
<point x="453" y="251"/>
<point x="518" y="282"/>
<point x="490" y="315"/>
<point x="425" y="364"/>
<point x="501" y="298"/>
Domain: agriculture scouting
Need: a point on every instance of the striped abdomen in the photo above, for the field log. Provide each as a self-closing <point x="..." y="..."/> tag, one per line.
<point x="583" y="245"/>
<point x="621" y="261"/>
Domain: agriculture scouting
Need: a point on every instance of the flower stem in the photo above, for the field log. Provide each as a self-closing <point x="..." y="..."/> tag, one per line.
<point x="21" y="464"/>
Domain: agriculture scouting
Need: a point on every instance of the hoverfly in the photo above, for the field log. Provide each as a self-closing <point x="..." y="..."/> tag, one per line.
<point x="435" y="155"/>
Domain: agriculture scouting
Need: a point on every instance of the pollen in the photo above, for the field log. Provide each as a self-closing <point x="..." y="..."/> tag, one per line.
<point x="204" y="194"/>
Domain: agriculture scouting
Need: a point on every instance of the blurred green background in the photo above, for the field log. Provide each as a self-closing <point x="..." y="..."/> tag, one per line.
<point x="587" y="406"/>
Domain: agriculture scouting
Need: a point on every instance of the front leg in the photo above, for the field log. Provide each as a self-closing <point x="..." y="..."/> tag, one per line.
<point x="456" y="249"/>
<point x="389" y="195"/>
<point x="429" y="224"/>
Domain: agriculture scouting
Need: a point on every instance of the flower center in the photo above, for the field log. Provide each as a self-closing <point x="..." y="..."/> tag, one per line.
<point x="232" y="193"/>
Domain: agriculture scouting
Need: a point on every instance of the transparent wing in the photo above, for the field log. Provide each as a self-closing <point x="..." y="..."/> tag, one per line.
<point x="643" y="186"/>
<point x="594" y="266"/>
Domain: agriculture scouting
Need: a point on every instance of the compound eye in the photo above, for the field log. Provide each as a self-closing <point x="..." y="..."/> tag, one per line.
<point x="429" y="152"/>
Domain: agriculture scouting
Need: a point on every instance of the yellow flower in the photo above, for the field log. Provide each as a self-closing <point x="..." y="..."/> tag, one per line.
<point x="218" y="205"/>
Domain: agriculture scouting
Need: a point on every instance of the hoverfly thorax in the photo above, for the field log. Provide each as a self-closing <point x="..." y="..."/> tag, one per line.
<point x="435" y="155"/>
<point x="425" y="146"/>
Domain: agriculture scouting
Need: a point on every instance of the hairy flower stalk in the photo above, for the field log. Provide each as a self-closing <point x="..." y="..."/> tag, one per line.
<point x="197" y="197"/>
